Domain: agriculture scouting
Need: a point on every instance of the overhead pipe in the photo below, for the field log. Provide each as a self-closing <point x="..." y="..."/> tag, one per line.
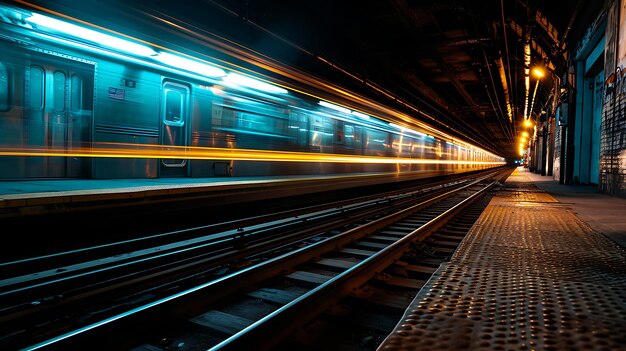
<point x="526" y="69"/>
<point x="532" y="102"/>
<point x="505" y="86"/>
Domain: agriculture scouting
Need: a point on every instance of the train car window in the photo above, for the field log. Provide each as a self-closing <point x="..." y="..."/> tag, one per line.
<point x="216" y="115"/>
<point x="174" y="132"/>
<point x="376" y="142"/>
<point x="438" y="149"/>
<point x="339" y="132"/>
<point x="298" y="128"/>
<point x="58" y="81"/>
<point x="37" y="80"/>
<point x="174" y="107"/>
<point x="251" y="121"/>
<point x="76" y="93"/>
<point x="349" y="135"/>
<point x="418" y="148"/>
<point x="357" y="143"/>
<point x="349" y="131"/>
<point x="4" y="88"/>
<point x="321" y="131"/>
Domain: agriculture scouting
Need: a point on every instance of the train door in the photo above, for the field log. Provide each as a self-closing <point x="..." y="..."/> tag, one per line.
<point x="58" y="115"/>
<point x="174" y="127"/>
<point x="11" y="121"/>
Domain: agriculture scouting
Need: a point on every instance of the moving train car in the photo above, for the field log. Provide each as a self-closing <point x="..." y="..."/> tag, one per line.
<point x="78" y="101"/>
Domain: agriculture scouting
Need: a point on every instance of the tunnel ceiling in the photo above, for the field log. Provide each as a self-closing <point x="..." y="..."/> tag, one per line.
<point x="448" y="58"/>
<point x="440" y="56"/>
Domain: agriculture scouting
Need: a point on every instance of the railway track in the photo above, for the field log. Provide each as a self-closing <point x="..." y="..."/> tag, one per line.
<point x="333" y="243"/>
<point x="369" y="313"/>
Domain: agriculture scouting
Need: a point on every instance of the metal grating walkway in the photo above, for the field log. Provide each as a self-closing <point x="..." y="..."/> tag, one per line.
<point x="529" y="276"/>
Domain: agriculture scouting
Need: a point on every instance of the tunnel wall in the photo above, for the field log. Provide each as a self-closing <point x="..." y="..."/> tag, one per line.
<point x="613" y="131"/>
<point x="590" y="135"/>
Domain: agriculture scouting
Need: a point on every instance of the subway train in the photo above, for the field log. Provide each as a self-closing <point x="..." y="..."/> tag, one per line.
<point x="80" y="101"/>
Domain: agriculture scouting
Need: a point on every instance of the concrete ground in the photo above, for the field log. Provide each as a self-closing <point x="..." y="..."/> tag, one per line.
<point x="604" y="213"/>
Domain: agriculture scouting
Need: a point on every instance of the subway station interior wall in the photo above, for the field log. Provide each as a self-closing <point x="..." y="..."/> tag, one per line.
<point x="556" y="162"/>
<point x="613" y="130"/>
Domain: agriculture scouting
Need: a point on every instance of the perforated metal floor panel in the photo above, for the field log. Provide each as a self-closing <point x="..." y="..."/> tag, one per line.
<point x="529" y="276"/>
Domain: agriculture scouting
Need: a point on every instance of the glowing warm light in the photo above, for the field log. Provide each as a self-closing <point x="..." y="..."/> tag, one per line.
<point x="538" y="72"/>
<point x="525" y="134"/>
<point x="114" y="150"/>
<point x="528" y="123"/>
<point x="240" y="80"/>
<point x="398" y="126"/>
<point x="190" y="65"/>
<point x="93" y="36"/>
<point x="523" y="140"/>
<point x="408" y="130"/>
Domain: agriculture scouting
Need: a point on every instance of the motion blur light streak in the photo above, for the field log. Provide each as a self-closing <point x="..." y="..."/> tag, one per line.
<point x="238" y="79"/>
<point x="202" y="69"/>
<point x="334" y="107"/>
<point x="200" y="153"/>
<point x="359" y="114"/>
<point x="90" y="35"/>
<point x="240" y="52"/>
<point x="227" y="112"/>
<point x="190" y="65"/>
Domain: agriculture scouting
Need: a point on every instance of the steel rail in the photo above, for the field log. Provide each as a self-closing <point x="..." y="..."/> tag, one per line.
<point x="293" y="315"/>
<point x="232" y="282"/>
<point x="62" y="274"/>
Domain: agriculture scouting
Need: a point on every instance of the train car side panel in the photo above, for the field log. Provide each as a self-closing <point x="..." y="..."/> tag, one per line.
<point x="127" y="110"/>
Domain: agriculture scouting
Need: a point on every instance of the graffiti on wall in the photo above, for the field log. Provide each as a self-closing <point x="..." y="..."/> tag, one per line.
<point x="612" y="69"/>
<point x="614" y="85"/>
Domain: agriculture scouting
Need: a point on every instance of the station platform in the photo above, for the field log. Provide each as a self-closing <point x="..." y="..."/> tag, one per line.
<point x="541" y="269"/>
<point x="53" y="195"/>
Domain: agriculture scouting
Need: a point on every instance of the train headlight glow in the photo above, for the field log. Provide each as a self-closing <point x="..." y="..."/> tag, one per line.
<point x="90" y="35"/>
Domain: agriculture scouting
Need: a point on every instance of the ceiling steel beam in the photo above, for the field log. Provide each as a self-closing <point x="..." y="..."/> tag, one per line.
<point x="405" y="9"/>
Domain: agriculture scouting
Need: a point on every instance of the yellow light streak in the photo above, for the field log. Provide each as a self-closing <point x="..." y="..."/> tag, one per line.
<point x="113" y="150"/>
<point x="238" y="51"/>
